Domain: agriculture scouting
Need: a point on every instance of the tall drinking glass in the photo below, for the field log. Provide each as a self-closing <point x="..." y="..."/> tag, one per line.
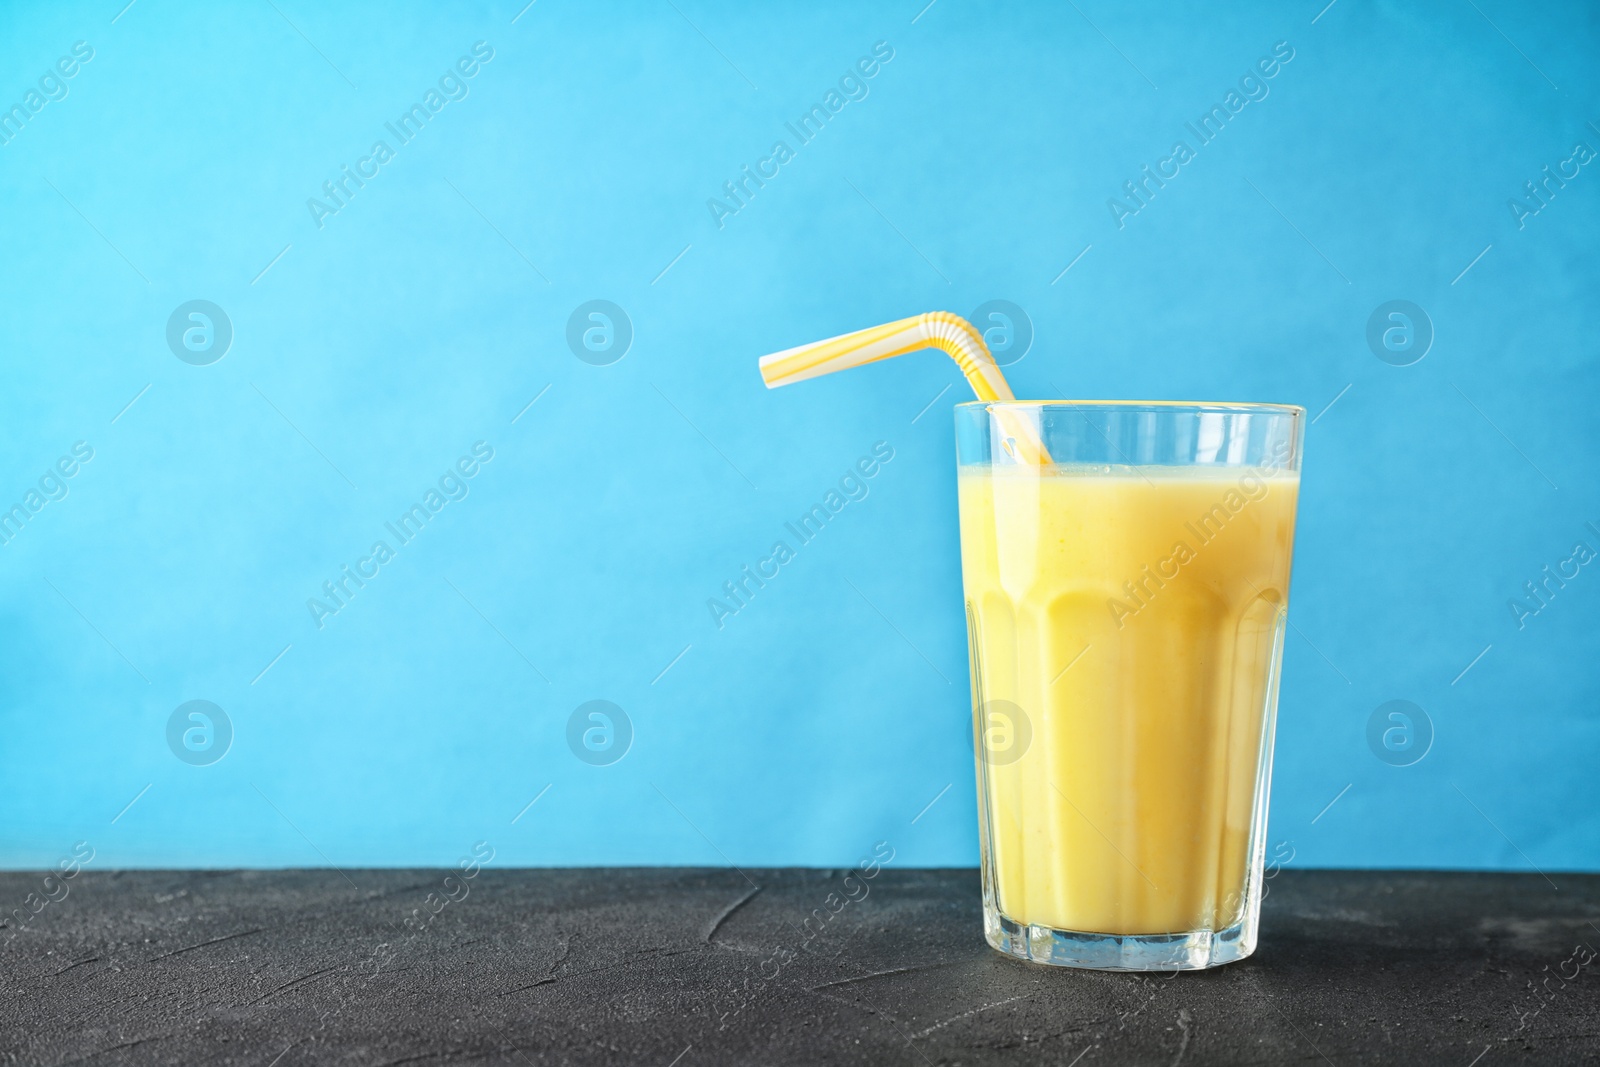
<point x="1126" y="603"/>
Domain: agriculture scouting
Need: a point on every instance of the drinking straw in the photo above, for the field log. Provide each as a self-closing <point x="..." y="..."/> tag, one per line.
<point x="951" y="334"/>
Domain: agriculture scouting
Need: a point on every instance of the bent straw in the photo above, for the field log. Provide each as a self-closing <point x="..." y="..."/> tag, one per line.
<point x="951" y="334"/>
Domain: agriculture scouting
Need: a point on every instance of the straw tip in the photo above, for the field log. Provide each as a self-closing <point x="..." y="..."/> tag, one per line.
<point x="768" y="375"/>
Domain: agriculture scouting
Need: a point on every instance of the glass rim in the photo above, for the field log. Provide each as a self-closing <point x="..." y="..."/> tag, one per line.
<point x="1197" y="406"/>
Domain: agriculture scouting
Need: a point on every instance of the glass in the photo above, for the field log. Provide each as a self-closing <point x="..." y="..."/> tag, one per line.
<point x="1126" y="604"/>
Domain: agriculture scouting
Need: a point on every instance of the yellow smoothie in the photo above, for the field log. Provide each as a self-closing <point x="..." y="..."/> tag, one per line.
<point x="1126" y="625"/>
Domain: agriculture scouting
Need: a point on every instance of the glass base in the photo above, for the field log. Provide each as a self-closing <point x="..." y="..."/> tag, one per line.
<point x="1194" y="951"/>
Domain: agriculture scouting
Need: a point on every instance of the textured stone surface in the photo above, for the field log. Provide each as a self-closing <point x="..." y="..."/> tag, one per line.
<point x="689" y="967"/>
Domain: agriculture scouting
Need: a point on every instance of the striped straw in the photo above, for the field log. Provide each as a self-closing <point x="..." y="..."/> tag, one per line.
<point x="949" y="333"/>
<point x="936" y="329"/>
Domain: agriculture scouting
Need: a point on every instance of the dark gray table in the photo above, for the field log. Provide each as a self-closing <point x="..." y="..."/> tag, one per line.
<point x="688" y="967"/>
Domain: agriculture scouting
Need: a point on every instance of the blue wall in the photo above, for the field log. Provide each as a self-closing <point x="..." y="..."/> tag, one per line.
<point x="375" y="345"/>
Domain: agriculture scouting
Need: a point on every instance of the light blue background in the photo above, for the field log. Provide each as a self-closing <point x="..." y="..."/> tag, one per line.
<point x="823" y="717"/>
